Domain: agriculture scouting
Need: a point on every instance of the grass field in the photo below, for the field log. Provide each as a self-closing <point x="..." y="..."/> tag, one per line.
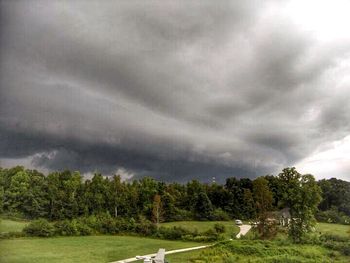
<point x="336" y="229"/>
<point x="7" y="225"/>
<point x="201" y="226"/>
<point x="112" y="248"/>
<point x="82" y="249"/>
<point x="244" y="251"/>
<point x="257" y="253"/>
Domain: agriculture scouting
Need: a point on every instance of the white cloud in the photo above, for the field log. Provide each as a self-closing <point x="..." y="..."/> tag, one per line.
<point x="334" y="161"/>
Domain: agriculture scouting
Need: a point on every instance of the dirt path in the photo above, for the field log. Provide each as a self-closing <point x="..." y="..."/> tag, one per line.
<point x="244" y="229"/>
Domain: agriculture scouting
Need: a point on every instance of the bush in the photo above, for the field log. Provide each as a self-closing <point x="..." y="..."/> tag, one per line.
<point x="333" y="216"/>
<point x="220" y="215"/>
<point x="91" y="222"/>
<point x="102" y="223"/>
<point x="40" y="228"/>
<point x="66" y="228"/>
<point x="83" y="229"/>
<point x="182" y="215"/>
<point x="346" y="250"/>
<point x="336" y="238"/>
<point x="125" y="225"/>
<point x="311" y="239"/>
<point x="107" y="224"/>
<point x="220" y="228"/>
<point x="146" y="227"/>
<point x="211" y="235"/>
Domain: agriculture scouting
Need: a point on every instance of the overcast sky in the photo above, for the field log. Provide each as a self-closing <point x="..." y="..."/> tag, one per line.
<point x="177" y="90"/>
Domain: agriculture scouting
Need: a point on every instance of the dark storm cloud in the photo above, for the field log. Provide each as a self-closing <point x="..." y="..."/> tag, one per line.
<point x="175" y="90"/>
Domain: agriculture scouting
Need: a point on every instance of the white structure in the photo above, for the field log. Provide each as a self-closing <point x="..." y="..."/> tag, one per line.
<point x="159" y="258"/>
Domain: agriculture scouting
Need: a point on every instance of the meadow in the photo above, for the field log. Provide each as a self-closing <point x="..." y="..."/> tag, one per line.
<point x="107" y="248"/>
<point x="231" y="229"/>
<point x="257" y="251"/>
<point x="335" y="229"/>
<point x="7" y="225"/>
<point x="89" y="249"/>
<point x="281" y="250"/>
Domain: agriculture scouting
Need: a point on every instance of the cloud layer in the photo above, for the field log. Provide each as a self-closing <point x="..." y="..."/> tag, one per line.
<point x="175" y="90"/>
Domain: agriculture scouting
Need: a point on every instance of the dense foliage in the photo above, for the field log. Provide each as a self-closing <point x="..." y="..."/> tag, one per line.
<point x="66" y="195"/>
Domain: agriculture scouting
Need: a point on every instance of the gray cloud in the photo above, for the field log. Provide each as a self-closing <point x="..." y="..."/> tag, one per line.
<point x="175" y="90"/>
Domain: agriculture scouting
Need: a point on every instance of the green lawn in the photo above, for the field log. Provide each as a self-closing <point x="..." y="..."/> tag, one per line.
<point x="82" y="249"/>
<point x="244" y="251"/>
<point x="231" y="228"/>
<point x="7" y="225"/>
<point x="336" y="229"/>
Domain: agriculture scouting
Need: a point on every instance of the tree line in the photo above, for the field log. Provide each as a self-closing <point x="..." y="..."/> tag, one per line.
<point x="66" y="195"/>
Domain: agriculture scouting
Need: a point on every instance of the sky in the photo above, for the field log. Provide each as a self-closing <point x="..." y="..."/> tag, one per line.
<point x="177" y="90"/>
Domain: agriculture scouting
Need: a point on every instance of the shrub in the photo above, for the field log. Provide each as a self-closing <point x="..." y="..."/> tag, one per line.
<point x="331" y="237"/>
<point x="211" y="235"/>
<point x="91" y="221"/>
<point x="83" y="229"/>
<point x="146" y="227"/>
<point x="102" y="223"/>
<point x="220" y="215"/>
<point x="40" y="228"/>
<point x="346" y="250"/>
<point x="125" y="225"/>
<point x="220" y="228"/>
<point x="311" y="238"/>
<point x="182" y="215"/>
<point x="333" y="216"/>
<point x="66" y="228"/>
<point x="107" y="224"/>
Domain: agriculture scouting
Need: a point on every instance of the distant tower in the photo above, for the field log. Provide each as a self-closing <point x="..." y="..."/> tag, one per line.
<point x="213" y="180"/>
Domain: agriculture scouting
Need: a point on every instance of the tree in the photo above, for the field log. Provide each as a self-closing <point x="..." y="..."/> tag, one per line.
<point x="117" y="196"/>
<point x="16" y="196"/>
<point x="96" y="194"/>
<point x="157" y="211"/>
<point x="169" y="207"/>
<point x="301" y="195"/>
<point x="248" y="204"/>
<point x="203" y="207"/>
<point x="37" y="202"/>
<point x="263" y="202"/>
<point x="2" y="190"/>
<point x="335" y="193"/>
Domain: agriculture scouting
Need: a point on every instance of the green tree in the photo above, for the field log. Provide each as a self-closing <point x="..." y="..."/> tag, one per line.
<point x="96" y="194"/>
<point x="203" y="207"/>
<point x="2" y="191"/>
<point x="302" y="195"/>
<point x="263" y="202"/>
<point x="63" y="188"/>
<point x="248" y="207"/>
<point x="157" y="211"/>
<point x="335" y="193"/>
<point x="37" y="203"/>
<point x="17" y="194"/>
<point x="169" y="207"/>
